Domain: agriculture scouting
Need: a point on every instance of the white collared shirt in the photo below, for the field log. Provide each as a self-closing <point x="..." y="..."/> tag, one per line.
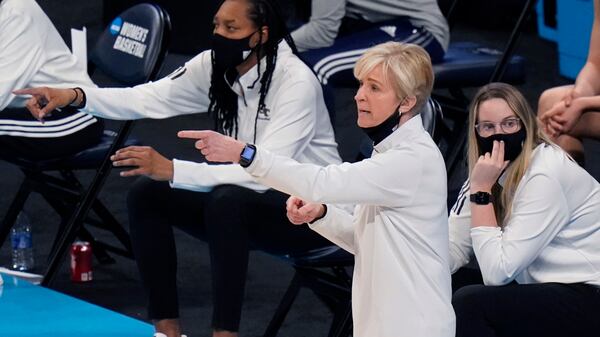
<point x="552" y="235"/>
<point x="398" y="233"/>
<point x="295" y="123"/>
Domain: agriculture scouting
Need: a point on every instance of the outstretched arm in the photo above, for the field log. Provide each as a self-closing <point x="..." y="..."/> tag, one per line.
<point x="364" y="182"/>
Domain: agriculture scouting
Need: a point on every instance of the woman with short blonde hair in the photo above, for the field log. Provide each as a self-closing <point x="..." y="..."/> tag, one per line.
<point x="398" y="231"/>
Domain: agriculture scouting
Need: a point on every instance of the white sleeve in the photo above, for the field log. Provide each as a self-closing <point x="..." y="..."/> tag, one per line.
<point x="322" y="28"/>
<point x="185" y="91"/>
<point x="291" y="129"/>
<point x="459" y="222"/>
<point x="364" y="182"/>
<point x="21" y="55"/>
<point x="539" y="212"/>
<point x="337" y="226"/>
<point x="202" y="177"/>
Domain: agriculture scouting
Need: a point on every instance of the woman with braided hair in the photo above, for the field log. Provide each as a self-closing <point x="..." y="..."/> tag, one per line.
<point x="259" y="92"/>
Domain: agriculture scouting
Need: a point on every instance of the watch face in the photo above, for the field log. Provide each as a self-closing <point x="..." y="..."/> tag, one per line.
<point x="481" y="198"/>
<point x="248" y="153"/>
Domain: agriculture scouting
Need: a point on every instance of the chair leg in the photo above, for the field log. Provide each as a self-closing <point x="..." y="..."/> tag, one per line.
<point x="65" y="211"/>
<point x="284" y="307"/>
<point x="113" y="225"/>
<point x="13" y="211"/>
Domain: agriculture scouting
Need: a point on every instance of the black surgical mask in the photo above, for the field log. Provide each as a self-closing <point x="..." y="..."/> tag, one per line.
<point x="229" y="53"/>
<point x="380" y="132"/>
<point x="513" y="143"/>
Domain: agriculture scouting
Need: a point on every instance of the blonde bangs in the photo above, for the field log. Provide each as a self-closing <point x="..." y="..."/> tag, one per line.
<point x="367" y="62"/>
<point x="406" y="68"/>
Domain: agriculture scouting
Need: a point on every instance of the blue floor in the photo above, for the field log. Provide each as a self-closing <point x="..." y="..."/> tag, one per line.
<point x="30" y="310"/>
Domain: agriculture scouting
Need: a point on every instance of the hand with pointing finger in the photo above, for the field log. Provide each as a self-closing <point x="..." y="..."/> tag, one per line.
<point x="215" y="146"/>
<point x="44" y="100"/>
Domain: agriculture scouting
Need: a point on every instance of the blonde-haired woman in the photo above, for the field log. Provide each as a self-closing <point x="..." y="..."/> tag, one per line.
<point x="398" y="231"/>
<point x="531" y="217"/>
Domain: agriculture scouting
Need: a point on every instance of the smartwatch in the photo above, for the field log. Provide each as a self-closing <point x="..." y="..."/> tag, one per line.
<point x="481" y="198"/>
<point x="247" y="155"/>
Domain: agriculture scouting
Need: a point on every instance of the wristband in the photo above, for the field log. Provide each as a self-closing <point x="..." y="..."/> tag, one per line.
<point x="74" y="98"/>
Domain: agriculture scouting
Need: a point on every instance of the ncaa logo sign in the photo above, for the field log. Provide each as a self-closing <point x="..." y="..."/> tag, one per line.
<point x="115" y="26"/>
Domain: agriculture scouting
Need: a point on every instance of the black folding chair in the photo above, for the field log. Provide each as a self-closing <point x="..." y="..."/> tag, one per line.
<point x="64" y="192"/>
<point x="325" y="270"/>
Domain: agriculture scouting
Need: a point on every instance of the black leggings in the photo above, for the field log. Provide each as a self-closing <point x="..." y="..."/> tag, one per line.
<point x="232" y="219"/>
<point x="527" y="310"/>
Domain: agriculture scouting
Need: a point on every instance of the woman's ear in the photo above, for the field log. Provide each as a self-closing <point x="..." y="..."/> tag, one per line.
<point x="407" y="104"/>
<point x="264" y="37"/>
<point x="264" y="34"/>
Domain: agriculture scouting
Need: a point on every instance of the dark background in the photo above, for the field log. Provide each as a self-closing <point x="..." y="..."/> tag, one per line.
<point x="117" y="286"/>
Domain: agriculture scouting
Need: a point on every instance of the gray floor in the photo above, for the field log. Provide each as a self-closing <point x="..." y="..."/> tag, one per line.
<point x="117" y="286"/>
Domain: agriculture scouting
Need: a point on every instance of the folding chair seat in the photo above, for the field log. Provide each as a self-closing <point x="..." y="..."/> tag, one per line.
<point x="63" y="191"/>
<point x="469" y="64"/>
<point x="325" y="270"/>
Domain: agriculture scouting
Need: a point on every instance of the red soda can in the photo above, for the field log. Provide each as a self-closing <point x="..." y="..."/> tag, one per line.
<point x="81" y="261"/>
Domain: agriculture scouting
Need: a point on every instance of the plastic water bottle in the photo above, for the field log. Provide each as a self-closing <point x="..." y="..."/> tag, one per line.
<point x="22" y="248"/>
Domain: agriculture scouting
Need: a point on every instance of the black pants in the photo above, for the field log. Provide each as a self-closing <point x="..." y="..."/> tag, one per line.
<point x="24" y="141"/>
<point x="232" y="219"/>
<point x="528" y="310"/>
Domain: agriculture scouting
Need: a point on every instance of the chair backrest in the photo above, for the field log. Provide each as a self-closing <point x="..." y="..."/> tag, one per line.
<point x="130" y="51"/>
<point x="133" y="46"/>
<point x="468" y="64"/>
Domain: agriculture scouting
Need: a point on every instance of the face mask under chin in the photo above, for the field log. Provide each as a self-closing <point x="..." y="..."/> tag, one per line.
<point x="513" y="143"/>
<point x="380" y="132"/>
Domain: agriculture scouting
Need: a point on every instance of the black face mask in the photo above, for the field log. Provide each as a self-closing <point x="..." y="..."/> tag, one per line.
<point x="380" y="132"/>
<point x="513" y="143"/>
<point x="229" y="53"/>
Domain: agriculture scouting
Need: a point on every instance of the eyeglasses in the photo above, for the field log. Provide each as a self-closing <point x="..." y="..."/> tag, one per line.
<point x="509" y="125"/>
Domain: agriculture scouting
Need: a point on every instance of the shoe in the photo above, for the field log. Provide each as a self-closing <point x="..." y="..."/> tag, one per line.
<point x="160" y="334"/>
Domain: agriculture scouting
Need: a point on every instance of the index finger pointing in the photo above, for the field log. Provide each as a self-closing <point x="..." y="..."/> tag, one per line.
<point x="193" y="134"/>
<point x="27" y="91"/>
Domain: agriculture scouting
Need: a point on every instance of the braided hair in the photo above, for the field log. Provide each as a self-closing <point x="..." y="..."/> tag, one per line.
<point x="223" y="101"/>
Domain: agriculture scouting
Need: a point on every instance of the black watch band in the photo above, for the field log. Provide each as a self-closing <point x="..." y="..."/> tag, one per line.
<point x="247" y="155"/>
<point x="481" y="198"/>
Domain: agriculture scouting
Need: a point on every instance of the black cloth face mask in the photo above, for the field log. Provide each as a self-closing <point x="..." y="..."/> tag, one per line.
<point x="229" y="53"/>
<point x="513" y="143"/>
<point x="380" y="132"/>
